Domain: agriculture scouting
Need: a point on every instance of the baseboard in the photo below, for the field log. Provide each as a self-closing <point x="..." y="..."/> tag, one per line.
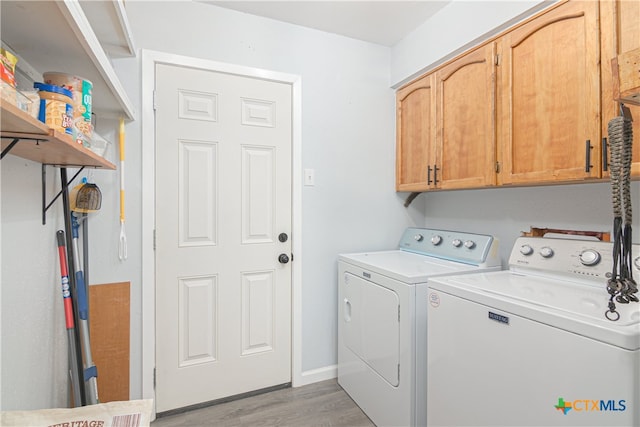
<point x="317" y="375"/>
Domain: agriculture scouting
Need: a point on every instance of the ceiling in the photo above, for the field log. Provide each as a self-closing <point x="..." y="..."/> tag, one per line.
<point x="380" y="22"/>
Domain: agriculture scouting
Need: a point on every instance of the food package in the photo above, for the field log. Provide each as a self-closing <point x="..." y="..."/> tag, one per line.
<point x="132" y="413"/>
<point x="82" y="90"/>
<point x="8" y="67"/>
<point x="56" y="107"/>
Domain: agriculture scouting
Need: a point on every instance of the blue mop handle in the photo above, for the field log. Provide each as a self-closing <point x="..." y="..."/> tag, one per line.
<point x="81" y="289"/>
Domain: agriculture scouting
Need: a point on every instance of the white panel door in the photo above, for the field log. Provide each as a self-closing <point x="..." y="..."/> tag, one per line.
<point x="223" y="197"/>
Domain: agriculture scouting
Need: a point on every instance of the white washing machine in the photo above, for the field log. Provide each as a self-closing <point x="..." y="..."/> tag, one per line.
<point x="530" y="346"/>
<point x="382" y="318"/>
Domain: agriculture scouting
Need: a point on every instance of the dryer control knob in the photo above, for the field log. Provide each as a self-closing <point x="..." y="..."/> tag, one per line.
<point x="418" y="237"/>
<point x="469" y="244"/>
<point x="436" y="240"/>
<point x="546" y="252"/>
<point x="526" y="250"/>
<point x="457" y="243"/>
<point x="590" y="257"/>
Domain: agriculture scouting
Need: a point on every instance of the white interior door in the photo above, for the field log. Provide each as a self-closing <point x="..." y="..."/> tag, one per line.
<point x="223" y="198"/>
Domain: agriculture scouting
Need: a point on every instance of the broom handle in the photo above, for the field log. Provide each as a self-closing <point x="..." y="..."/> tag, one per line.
<point x="90" y="370"/>
<point x="121" y="170"/>
<point x="68" y="315"/>
<point x="122" y="247"/>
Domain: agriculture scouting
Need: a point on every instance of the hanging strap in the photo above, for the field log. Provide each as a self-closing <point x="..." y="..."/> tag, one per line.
<point x="630" y="287"/>
<point x="614" y="286"/>
<point x="621" y="285"/>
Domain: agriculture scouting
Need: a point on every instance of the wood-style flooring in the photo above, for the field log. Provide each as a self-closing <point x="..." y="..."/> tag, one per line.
<point x="320" y="404"/>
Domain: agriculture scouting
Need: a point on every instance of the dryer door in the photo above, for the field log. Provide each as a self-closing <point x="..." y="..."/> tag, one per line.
<point x="372" y="325"/>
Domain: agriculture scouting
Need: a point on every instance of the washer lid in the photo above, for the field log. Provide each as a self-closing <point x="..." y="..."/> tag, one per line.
<point x="405" y="266"/>
<point x="574" y="307"/>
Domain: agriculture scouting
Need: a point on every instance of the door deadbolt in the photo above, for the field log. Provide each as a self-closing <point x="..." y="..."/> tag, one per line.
<point x="283" y="237"/>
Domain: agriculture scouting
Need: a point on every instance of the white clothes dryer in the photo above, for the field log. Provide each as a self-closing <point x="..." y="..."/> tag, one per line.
<point x="382" y="318"/>
<point x="531" y="346"/>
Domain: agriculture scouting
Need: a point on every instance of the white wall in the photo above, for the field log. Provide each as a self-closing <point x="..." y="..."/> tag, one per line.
<point x="34" y="339"/>
<point x="506" y="212"/>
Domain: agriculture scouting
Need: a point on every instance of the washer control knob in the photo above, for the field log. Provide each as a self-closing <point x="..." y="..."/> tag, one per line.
<point x="590" y="257"/>
<point x="436" y="240"/>
<point x="457" y="243"/>
<point x="469" y="244"/>
<point x="418" y="237"/>
<point x="546" y="252"/>
<point x="526" y="250"/>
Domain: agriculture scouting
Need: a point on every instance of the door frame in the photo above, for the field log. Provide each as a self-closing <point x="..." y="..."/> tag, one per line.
<point x="150" y="59"/>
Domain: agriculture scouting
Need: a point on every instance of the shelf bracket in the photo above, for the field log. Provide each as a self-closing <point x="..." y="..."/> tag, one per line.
<point x="65" y="186"/>
<point x="9" y="147"/>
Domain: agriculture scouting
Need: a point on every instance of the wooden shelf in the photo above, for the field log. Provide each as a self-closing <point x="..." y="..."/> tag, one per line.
<point x="42" y="144"/>
<point x="58" y="36"/>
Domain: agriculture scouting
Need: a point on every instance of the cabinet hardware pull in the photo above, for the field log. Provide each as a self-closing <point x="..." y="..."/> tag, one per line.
<point x="435" y="174"/>
<point x="587" y="164"/>
<point x="428" y="175"/>
<point x="605" y="160"/>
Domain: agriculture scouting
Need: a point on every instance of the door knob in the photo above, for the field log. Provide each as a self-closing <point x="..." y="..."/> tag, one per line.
<point x="283" y="258"/>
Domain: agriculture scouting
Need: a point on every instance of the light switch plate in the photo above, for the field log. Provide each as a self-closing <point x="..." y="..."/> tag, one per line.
<point x="309" y="177"/>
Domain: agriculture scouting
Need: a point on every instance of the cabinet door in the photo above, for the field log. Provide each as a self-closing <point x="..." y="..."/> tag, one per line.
<point x="550" y="95"/>
<point x="466" y="121"/>
<point x="415" y="135"/>
<point x="620" y="32"/>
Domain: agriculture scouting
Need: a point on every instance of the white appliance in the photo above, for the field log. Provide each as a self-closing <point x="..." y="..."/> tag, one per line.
<point x="382" y="318"/>
<point x="530" y="346"/>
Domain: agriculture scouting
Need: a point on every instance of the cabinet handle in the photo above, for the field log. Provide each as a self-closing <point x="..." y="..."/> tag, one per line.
<point x="587" y="164"/>
<point x="428" y="175"/>
<point x="435" y="174"/>
<point x="605" y="160"/>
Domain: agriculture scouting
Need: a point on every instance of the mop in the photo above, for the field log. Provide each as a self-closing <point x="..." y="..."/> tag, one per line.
<point x="68" y="314"/>
<point x="84" y="198"/>
<point x="90" y="371"/>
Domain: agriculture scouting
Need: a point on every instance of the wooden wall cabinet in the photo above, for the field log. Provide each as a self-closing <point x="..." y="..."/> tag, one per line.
<point x="446" y="128"/>
<point x="466" y="131"/>
<point x="549" y="91"/>
<point x="529" y="107"/>
<point x="415" y="135"/>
